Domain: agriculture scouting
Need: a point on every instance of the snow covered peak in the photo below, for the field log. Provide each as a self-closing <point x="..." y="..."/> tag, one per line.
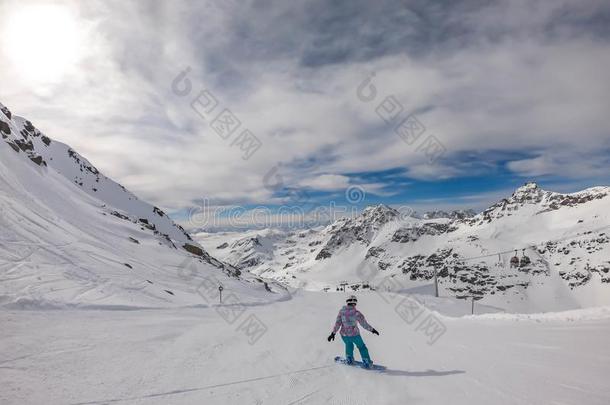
<point x="361" y="229"/>
<point x="529" y="193"/>
<point x="590" y="193"/>
<point x="531" y="197"/>
<point x="560" y="234"/>
<point x="21" y="136"/>
<point x="378" y="208"/>
<point x="527" y="187"/>
<point x="379" y="213"/>
<point x="24" y="138"/>
<point x="71" y="236"/>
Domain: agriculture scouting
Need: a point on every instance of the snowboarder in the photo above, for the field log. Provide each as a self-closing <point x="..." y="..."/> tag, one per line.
<point x="348" y="320"/>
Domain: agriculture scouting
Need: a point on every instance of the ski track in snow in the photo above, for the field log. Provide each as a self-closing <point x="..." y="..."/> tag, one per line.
<point x="191" y="355"/>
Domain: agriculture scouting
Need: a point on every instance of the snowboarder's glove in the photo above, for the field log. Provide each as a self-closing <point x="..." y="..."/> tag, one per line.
<point x="374" y="332"/>
<point x="331" y="337"/>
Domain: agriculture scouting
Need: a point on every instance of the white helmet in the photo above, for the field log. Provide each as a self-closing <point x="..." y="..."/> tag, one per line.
<point x="351" y="300"/>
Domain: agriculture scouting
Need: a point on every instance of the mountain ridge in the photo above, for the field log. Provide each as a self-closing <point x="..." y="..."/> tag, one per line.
<point x="561" y="235"/>
<point x="71" y="237"/>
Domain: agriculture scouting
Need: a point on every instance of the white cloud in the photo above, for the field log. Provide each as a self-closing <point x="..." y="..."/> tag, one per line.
<point x="327" y="182"/>
<point x="513" y="84"/>
<point x="570" y="166"/>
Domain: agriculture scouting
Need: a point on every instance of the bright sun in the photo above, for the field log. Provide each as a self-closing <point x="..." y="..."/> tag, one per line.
<point x="41" y="42"/>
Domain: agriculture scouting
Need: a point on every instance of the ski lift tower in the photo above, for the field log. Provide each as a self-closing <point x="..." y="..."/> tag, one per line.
<point x="514" y="261"/>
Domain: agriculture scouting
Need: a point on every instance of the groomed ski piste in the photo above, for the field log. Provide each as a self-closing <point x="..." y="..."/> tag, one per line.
<point x="195" y="356"/>
<point x="103" y="300"/>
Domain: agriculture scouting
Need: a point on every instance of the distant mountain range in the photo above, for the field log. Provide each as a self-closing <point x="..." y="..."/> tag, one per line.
<point x="565" y="239"/>
<point x="71" y="236"/>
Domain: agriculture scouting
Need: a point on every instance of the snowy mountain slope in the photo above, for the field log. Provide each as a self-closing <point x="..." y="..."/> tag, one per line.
<point x="253" y="249"/>
<point x="564" y="236"/>
<point x="22" y="136"/>
<point x="66" y="243"/>
<point x="361" y="229"/>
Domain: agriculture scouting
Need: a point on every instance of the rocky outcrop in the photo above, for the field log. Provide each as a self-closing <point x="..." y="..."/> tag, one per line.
<point x="6" y="112"/>
<point x="413" y="233"/>
<point x="456" y="214"/>
<point x="4" y="128"/>
<point x="357" y="230"/>
<point x="462" y="251"/>
<point x="196" y="250"/>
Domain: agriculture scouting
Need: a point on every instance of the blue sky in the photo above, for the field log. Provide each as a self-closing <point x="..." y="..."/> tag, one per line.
<point x="509" y="92"/>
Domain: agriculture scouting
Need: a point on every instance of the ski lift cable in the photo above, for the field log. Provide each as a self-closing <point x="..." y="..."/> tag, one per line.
<point x="568" y="237"/>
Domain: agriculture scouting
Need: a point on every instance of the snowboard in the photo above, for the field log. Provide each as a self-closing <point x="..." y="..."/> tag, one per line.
<point x="356" y="363"/>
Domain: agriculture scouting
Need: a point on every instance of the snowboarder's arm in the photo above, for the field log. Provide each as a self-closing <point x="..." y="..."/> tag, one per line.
<point x="338" y="323"/>
<point x="363" y="322"/>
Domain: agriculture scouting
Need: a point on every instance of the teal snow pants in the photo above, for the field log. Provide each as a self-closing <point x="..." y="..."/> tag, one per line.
<point x="350" y="341"/>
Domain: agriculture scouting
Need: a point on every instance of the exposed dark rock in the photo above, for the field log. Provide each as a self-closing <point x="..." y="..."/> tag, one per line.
<point x="374" y="252"/>
<point x="383" y="265"/>
<point x="6" y="112"/>
<point x="28" y="126"/>
<point x="323" y="254"/>
<point x="25" y="146"/>
<point x="250" y="262"/>
<point x="184" y="232"/>
<point x="38" y="160"/>
<point x="411" y="234"/>
<point x="4" y="127"/>
<point x="456" y="214"/>
<point x="193" y="249"/>
<point x="84" y="166"/>
<point x="147" y="224"/>
<point x="247" y="243"/>
<point x="119" y="215"/>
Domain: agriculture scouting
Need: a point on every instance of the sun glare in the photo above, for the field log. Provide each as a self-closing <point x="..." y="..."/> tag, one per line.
<point x="41" y="42"/>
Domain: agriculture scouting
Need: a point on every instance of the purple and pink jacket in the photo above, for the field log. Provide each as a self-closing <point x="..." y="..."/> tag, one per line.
<point x="348" y="320"/>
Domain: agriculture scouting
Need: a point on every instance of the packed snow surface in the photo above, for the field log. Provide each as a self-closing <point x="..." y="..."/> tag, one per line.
<point x="195" y="356"/>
